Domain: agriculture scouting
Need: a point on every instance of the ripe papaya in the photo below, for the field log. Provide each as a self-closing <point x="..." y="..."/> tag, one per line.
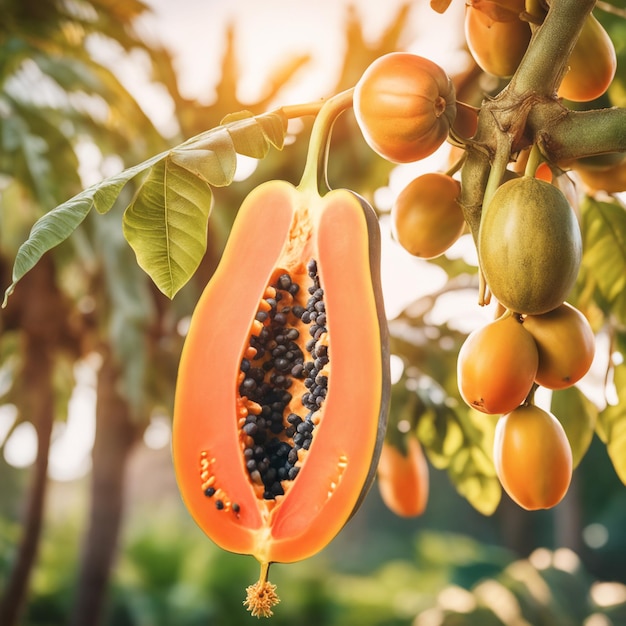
<point x="592" y="64"/>
<point x="497" y="40"/>
<point x="529" y="245"/>
<point x="566" y="345"/>
<point x="532" y="457"/>
<point x="283" y="384"/>
<point x="403" y="477"/>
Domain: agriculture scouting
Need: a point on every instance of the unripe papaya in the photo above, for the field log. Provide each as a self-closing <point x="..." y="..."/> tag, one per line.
<point x="529" y="246"/>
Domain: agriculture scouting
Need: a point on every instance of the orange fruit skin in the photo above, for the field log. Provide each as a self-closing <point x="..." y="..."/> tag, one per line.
<point x="403" y="480"/>
<point x="566" y="346"/>
<point x="592" y="64"/>
<point x="497" y="365"/>
<point x="532" y="457"/>
<point x="497" y="46"/>
<point x="426" y="216"/>
<point x="404" y="105"/>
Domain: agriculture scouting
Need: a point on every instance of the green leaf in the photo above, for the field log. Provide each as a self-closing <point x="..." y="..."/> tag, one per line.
<point x="49" y="231"/>
<point x="208" y="159"/>
<point x="166" y="224"/>
<point x="461" y="443"/>
<point x="612" y="424"/>
<point x="57" y="225"/>
<point x="253" y="137"/>
<point x="604" y="245"/>
<point x="215" y="165"/>
<point x="578" y="415"/>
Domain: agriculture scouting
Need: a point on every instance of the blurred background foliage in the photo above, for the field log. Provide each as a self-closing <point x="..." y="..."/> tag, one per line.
<point x="115" y="545"/>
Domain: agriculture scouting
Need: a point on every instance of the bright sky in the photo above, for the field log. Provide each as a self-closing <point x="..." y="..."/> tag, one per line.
<point x="269" y="31"/>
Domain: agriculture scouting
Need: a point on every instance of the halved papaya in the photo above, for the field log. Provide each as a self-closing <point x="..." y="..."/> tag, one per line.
<point x="283" y="385"/>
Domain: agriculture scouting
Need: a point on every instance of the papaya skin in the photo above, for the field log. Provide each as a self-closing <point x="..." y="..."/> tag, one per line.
<point x="403" y="478"/>
<point x="279" y="228"/>
<point x="529" y="246"/>
<point x="497" y="46"/>
<point x="592" y="64"/>
<point x="566" y="346"/>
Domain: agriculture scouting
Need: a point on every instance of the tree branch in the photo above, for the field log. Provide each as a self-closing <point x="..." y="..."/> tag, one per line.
<point x="583" y="133"/>
<point x="545" y="61"/>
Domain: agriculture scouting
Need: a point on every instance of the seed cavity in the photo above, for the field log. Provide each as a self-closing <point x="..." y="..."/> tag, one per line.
<point x="210" y="489"/>
<point x="342" y="464"/>
<point x="283" y="380"/>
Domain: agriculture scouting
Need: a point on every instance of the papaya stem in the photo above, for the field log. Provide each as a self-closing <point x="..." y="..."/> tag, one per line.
<point x="457" y="165"/>
<point x="261" y="597"/>
<point x="317" y="156"/>
<point x="534" y="160"/>
<point x="530" y="398"/>
<point x="498" y="167"/>
<point x="295" y="111"/>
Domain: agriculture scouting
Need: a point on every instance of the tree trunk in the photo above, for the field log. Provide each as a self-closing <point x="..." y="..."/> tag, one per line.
<point x="37" y="375"/>
<point x="40" y="313"/>
<point x="115" y="436"/>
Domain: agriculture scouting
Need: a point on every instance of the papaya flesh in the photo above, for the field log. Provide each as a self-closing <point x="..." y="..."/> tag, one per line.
<point x="283" y="385"/>
<point x="529" y="246"/>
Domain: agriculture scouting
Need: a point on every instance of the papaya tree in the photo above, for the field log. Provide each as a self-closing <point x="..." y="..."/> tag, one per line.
<point x="49" y="328"/>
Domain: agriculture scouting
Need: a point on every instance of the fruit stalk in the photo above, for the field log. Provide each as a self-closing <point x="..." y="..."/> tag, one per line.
<point x="315" y="170"/>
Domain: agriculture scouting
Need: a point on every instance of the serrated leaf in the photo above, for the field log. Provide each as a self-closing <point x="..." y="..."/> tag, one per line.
<point x="578" y="415"/>
<point x="612" y="422"/>
<point x="604" y="245"/>
<point x="166" y="225"/>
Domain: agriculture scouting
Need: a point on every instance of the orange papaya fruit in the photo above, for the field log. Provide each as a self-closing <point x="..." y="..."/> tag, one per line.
<point x="592" y="64"/>
<point x="403" y="477"/>
<point x="283" y="384"/>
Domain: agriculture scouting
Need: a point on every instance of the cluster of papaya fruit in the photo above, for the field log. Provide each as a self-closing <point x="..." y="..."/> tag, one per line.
<point x="529" y="248"/>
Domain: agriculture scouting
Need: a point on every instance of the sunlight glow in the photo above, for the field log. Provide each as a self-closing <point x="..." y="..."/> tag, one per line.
<point x="501" y="601"/>
<point x="597" y="619"/>
<point x="396" y="366"/>
<point x="21" y="449"/>
<point x="417" y="278"/>
<point x="8" y="415"/>
<point x="526" y="573"/>
<point x="596" y="535"/>
<point x="454" y="598"/>
<point x="566" y="560"/>
<point x="70" y="452"/>
<point x="608" y="593"/>
<point x="158" y="433"/>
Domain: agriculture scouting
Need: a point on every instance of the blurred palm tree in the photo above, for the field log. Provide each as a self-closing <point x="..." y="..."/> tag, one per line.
<point x="88" y="298"/>
<point x="55" y="97"/>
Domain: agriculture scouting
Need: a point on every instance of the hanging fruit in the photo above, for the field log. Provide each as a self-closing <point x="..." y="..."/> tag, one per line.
<point x="404" y="105"/>
<point x="275" y="439"/>
<point x="529" y="245"/>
